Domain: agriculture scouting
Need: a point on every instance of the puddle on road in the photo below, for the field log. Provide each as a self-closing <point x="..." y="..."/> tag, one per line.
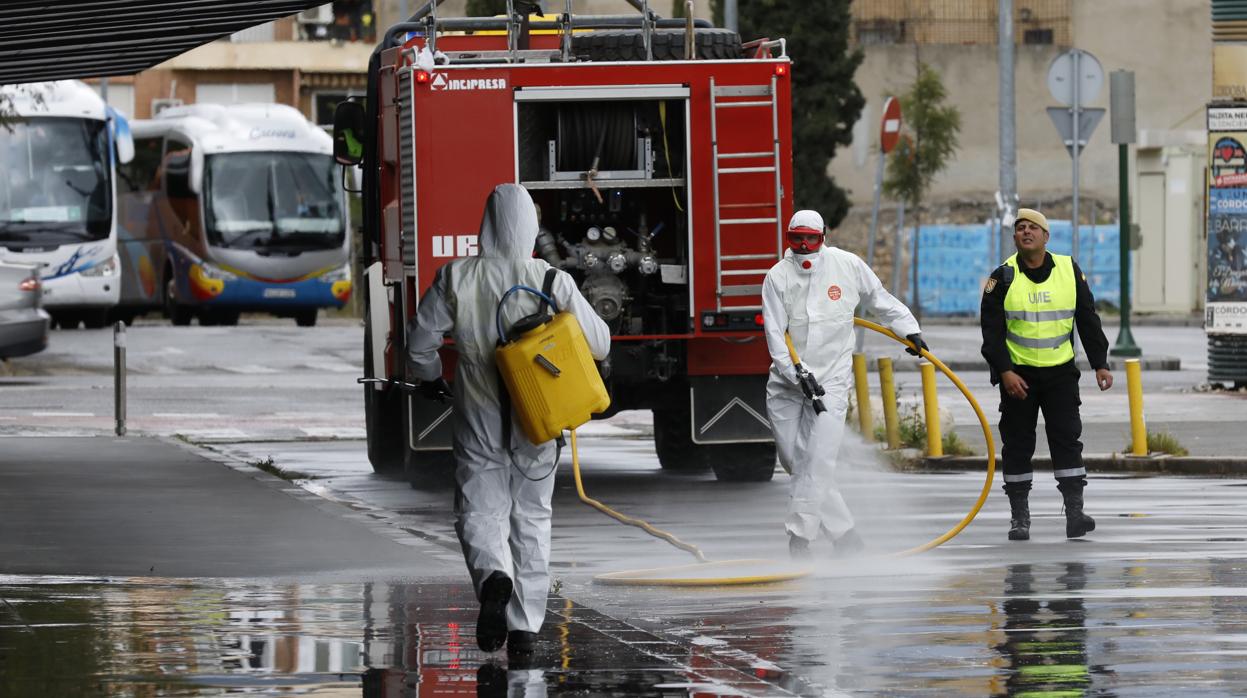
<point x="1141" y="627"/>
<point x="169" y="637"/>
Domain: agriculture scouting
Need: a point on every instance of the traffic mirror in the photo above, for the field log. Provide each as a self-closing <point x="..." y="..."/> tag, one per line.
<point x="348" y="133"/>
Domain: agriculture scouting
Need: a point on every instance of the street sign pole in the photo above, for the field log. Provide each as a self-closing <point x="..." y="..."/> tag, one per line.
<point x="1121" y="99"/>
<point x="1076" y="112"/>
<point x="889" y="133"/>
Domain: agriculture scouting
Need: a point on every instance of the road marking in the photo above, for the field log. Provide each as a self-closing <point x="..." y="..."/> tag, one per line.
<point x="249" y="369"/>
<point x="62" y="414"/>
<point x="334" y="366"/>
<point x="212" y="433"/>
<point x="334" y="432"/>
<point x="307" y="415"/>
<point x="187" y="415"/>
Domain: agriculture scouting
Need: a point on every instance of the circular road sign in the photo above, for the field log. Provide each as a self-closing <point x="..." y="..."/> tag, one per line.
<point x="890" y="128"/>
<point x="1061" y="77"/>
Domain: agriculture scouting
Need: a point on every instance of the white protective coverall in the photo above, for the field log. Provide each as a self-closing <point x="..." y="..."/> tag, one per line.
<point x="503" y="517"/>
<point x="815" y="306"/>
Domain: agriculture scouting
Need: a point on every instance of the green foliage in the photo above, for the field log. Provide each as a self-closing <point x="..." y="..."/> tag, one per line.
<point x="912" y="429"/>
<point x="825" y="100"/>
<point x="485" y="8"/>
<point x="1161" y="442"/>
<point x="928" y="140"/>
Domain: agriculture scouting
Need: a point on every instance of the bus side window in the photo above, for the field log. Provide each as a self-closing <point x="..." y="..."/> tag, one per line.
<point x="140" y="173"/>
<point x="177" y="166"/>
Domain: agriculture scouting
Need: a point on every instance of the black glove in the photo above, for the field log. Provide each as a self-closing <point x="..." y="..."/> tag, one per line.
<point x="916" y="340"/>
<point x="437" y="389"/>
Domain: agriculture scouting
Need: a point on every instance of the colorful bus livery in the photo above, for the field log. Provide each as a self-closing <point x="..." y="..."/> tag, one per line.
<point x="232" y="209"/>
<point x="58" y="156"/>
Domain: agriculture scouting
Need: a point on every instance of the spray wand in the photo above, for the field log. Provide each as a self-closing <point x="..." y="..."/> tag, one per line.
<point x="807" y="381"/>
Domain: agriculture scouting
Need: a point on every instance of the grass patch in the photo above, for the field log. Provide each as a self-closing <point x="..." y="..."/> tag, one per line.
<point x="268" y="466"/>
<point x="912" y="429"/>
<point x="1160" y="442"/>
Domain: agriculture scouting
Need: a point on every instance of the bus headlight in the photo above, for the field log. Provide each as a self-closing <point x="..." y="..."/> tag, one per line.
<point x="210" y="271"/>
<point x="342" y="273"/>
<point x="106" y="268"/>
<point x="205" y="286"/>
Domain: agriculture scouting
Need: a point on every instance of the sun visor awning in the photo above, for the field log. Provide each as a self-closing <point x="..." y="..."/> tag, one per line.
<point x="42" y="40"/>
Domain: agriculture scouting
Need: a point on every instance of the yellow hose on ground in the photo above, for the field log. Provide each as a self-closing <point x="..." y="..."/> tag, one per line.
<point x="672" y="576"/>
<point x="987" y="436"/>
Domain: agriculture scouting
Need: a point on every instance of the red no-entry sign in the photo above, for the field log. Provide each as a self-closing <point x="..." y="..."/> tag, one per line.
<point x="890" y="129"/>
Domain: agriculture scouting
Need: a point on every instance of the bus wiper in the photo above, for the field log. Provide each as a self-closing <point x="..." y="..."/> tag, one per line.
<point x="249" y="233"/>
<point x="12" y="235"/>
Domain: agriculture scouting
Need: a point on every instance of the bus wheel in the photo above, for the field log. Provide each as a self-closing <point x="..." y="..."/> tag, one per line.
<point x="228" y="318"/>
<point x="180" y="315"/>
<point x="95" y="319"/>
<point x="305" y="318"/>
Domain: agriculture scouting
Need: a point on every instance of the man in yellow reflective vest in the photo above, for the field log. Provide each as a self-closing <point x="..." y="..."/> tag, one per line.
<point x="1031" y="305"/>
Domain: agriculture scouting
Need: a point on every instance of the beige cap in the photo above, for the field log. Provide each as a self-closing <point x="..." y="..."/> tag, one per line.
<point x="1030" y="214"/>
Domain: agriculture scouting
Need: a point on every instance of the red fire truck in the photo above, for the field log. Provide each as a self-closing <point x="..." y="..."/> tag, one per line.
<point x="659" y="154"/>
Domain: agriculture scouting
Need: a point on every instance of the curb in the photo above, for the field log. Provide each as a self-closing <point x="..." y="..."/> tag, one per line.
<point x="1224" y="466"/>
<point x="1147" y="363"/>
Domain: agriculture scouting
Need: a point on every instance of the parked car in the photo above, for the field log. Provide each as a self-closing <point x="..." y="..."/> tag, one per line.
<point x="23" y="322"/>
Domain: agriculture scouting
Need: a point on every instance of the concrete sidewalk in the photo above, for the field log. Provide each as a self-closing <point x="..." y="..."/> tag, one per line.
<point x="148" y="507"/>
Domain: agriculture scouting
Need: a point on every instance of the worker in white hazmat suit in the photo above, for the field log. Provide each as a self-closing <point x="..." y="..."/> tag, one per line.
<point x="504" y="482"/>
<point x="811" y="294"/>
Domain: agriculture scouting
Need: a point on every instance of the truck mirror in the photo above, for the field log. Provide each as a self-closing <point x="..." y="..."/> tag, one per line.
<point x="348" y="133"/>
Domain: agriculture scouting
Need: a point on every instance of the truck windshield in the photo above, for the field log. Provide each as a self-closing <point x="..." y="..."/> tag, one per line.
<point x="276" y="199"/>
<point x="55" y="185"/>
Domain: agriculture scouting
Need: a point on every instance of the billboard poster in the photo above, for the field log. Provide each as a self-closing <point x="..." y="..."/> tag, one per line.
<point x="1226" y="294"/>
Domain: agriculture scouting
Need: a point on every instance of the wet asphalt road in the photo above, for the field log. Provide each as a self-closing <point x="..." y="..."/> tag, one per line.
<point x="1150" y="604"/>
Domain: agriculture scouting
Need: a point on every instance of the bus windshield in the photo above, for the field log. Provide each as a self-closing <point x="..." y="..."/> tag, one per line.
<point x="55" y="185"/>
<point x="278" y="199"/>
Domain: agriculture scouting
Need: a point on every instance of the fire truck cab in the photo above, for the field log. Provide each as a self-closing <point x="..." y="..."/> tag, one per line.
<point x="659" y="154"/>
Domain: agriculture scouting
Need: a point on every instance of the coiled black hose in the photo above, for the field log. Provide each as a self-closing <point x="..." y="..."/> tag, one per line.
<point x="605" y="133"/>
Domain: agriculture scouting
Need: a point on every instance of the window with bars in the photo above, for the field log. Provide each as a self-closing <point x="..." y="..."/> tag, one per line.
<point x="958" y="22"/>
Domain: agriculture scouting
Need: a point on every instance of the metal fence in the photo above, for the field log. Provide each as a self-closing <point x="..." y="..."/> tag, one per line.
<point x="958" y="22"/>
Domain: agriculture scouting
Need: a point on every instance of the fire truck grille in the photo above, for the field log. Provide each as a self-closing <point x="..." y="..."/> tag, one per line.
<point x="407" y="168"/>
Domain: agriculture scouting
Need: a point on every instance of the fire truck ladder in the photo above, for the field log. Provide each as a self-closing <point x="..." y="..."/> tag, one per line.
<point x="726" y="279"/>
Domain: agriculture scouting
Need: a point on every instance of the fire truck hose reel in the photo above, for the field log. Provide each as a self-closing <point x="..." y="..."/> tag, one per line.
<point x="736" y="572"/>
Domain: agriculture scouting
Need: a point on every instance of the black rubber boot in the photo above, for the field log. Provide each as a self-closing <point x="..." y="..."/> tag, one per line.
<point x="491" y="623"/>
<point x="1077" y="524"/>
<point x="1020" y="516"/>
<point x="521" y="642"/>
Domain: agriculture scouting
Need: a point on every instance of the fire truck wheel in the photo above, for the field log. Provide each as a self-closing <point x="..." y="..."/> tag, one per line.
<point x="676" y="450"/>
<point x="383" y="419"/>
<point x="746" y="462"/>
<point x="430" y="470"/>
<point x="667" y="44"/>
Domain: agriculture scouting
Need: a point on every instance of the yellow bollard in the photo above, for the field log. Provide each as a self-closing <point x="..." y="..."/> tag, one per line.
<point x="887" y="389"/>
<point x="1138" y="429"/>
<point x="864" y="418"/>
<point x="931" y="403"/>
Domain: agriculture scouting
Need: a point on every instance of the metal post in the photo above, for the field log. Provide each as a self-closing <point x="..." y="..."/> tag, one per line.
<point x="1121" y="99"/>
<point x="865" y="418"/>
<point x="870" y="241"/>
<point x="887" y="389"/>
<point x="931" y="409"/>
<point x="119" y="376"/>
<point x="1138" y="427"/>
<point x="729" y="15"/>
<point x="1008" y="134"/>
<point x="898" y="247"/>
<point x="1125" y="345"/>
<point x="1076" y="109"/>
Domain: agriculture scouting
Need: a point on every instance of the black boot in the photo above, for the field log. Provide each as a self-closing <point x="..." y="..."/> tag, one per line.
<point x="1019" y="516"/>
<point x="1077" y="524"/>
<point x="491" y="622"/>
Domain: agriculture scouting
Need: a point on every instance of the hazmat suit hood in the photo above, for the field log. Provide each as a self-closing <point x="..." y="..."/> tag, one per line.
<point x="509" y="226"/>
